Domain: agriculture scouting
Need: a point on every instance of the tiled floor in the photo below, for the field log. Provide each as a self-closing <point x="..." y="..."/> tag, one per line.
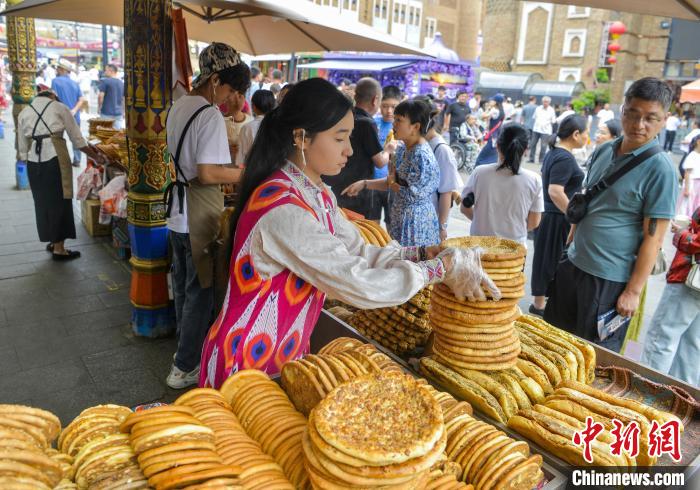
<point x="65" y="341"/>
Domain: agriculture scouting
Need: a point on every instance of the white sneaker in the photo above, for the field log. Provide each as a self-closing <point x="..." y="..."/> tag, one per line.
<point x="178" y="379"/>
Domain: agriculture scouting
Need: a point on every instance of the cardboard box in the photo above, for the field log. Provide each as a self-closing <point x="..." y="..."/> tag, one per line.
<point x="91" y="215"/>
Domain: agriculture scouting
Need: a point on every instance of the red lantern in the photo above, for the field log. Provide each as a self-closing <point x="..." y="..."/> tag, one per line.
<point x="612" y="60"/>
<point x="616" y="29"/>
<point x="614" y="47"/>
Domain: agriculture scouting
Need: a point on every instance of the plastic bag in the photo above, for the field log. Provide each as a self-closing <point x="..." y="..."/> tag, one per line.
<point x="465" y="277"/>
<point x="113" y="200"/>
<point x="89" y="182"/>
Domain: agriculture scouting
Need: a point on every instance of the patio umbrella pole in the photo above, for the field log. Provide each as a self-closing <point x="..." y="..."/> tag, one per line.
<point x="148" y="77"/>
<point x="21" y="48"/>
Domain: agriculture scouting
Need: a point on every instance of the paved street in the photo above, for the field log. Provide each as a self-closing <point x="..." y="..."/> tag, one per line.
<point x="65" y="342"/>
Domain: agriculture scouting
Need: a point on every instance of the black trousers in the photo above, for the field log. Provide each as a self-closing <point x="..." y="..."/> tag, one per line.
<point x="550" y="241"/>
<point x="578" y="298"/>
<point x="54" y="215"/>
<point x="668" y="142"/>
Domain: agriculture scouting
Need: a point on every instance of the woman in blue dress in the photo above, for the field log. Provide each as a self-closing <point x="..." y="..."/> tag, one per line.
<point x="414" y="180"/>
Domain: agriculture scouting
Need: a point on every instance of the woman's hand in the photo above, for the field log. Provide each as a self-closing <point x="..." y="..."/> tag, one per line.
<point x="465" y="276"/>
<point x="686" y="192"/>
<point x="395" y="187"/>
<point x="354" y="189"/>
<point x="391" y="146"/>
<point x="443" y="235"/>
<point x="675" y="228"/>
<point x="433" y="251"/>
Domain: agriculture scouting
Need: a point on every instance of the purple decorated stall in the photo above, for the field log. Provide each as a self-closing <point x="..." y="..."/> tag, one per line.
<point x="415" y="75"/>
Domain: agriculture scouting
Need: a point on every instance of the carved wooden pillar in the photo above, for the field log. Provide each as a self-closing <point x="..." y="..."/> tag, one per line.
<point x="148" y="74"/>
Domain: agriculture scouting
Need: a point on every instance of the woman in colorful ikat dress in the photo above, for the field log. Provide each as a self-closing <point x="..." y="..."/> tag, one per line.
<point x="292" y="246"/>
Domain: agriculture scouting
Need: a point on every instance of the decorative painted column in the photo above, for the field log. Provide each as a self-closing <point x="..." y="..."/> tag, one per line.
<point x="148" y="75"/>
<point x="21" y="49"/>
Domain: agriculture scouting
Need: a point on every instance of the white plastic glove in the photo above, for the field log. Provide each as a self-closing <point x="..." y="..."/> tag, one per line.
<point x="465" y="276"/>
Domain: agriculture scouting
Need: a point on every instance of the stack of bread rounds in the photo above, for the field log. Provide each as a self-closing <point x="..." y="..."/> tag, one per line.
<point x="401" y="329"/>
<point x="378" y="430"/>
<point x="269" y="417"/>
<point x="176" y="450"/>
<point x="480" y="335"/>
<point x="232" y="443"/>
<point x="481" y="449"/>
<point x="553" y="423"/>
<point x="488" y="458"/>
<point x="26" y="461"/>
<point x="99" y="453"/>
<point x="343" y="344"/>
<point x="307" y="381"/>
<point x="438" y="480"/>
<point x="372" y="233"/>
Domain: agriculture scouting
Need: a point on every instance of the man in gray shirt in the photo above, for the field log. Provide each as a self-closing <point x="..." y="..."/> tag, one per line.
<point x="529" y="114"/>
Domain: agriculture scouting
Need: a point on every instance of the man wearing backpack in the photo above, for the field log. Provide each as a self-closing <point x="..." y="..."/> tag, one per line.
<point x="615" y="245"/>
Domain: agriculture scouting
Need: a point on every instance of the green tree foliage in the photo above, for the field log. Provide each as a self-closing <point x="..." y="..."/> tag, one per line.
<point x="590" y="98"/>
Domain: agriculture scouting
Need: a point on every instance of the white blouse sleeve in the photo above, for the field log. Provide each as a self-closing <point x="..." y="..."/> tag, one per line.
<point x="288" y="237"/>
<point x="347" y="233"/>
<point x="72" y="128"/>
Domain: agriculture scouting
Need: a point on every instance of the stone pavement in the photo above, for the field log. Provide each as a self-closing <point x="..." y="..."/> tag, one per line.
<point x="65" y="342"/>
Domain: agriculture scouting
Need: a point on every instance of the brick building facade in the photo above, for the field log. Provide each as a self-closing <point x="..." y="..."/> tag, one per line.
<point x="568" y="43"/>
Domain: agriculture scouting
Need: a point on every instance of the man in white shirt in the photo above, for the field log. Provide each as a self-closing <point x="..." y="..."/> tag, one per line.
<point x="544" y="117"/>
<point x="475" y="102"/>
<point x="508" y="110"/>
<point x="672" y="124"/>
<point x="569" y="111"/>
<point x="605" y="114"/>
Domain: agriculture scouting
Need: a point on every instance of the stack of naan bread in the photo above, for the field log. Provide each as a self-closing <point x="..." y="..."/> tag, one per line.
<point x="481" y="335"/>
<point x="378" y="430"/>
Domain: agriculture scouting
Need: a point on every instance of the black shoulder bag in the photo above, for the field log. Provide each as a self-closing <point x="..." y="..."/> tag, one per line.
<point x="578" y="205"/>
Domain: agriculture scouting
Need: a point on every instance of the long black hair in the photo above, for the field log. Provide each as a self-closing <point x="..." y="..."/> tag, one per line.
<point x="568" y="127"/>
<point x="314" y="105"/>
<point x="512" y="143"/>
<point x="417" y="110"/>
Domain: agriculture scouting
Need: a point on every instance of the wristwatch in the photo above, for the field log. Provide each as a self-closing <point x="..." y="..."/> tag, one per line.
<point x="443" y="226"/>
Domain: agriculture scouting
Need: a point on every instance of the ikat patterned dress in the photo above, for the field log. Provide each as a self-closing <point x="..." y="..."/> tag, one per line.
<point x="269" y="311"/>
<point x="414" y="221"/>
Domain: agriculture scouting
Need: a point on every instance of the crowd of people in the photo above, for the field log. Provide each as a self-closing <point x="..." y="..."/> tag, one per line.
<point x="298" y="153"/>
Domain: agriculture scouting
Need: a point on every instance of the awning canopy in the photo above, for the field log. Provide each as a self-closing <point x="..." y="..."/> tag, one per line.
<point x="691" y="92"/>
<point x="251" y="26"/>
<point x="681" y="9"/>
<point x="355" y="65"/>
<point x="560" y="92"/>
<point x="506" y="81"/>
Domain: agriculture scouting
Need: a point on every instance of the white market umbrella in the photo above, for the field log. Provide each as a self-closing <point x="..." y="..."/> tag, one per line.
<point x="251" y="26"/>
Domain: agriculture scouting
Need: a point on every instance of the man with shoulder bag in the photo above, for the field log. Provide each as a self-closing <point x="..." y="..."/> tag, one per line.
<point x="618" y="224"/>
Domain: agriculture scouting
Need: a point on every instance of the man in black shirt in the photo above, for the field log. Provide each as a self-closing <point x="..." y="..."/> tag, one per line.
<point x="456" y="115"/>
<point x="367" y="152"/>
